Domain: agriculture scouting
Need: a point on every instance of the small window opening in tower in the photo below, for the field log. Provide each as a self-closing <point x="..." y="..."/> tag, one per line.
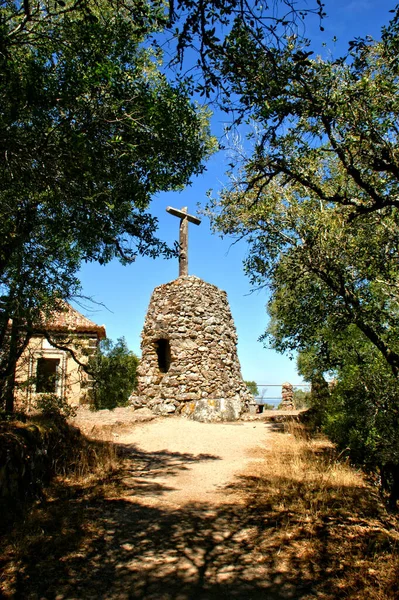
<point x="162" y="348"/>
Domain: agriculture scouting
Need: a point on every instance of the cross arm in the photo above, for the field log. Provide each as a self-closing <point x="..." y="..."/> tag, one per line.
<point x="183" y="215"/>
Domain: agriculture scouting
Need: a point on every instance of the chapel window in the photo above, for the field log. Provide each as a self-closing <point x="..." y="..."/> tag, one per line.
<point x="47" y="375"/>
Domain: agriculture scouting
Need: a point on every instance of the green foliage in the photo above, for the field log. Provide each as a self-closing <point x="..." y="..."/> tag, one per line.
<point x="52" y="405"/>
<point x="252" y="387"/>
<point x="301" y="399"/>
<point x="232" y="40"/>
<point x="317" y="199"/>
<point x="92" y="130"/>
<point x="114" y="371"/>
<point x="363" y="419"/>
<point x="360" y="410"/>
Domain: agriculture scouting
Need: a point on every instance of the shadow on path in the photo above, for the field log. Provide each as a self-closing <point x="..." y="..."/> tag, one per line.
<point x="88" y="543"/>
<point x="140" y="469"/>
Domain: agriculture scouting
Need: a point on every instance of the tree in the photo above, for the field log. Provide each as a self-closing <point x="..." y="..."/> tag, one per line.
<point x="301" y="399"/>
<point x="317" y="199"/>
<point x="114" y="371"/>
<point x="219" y="31"/>
<point x="252" y="387"/>
<point x="307" y="110"/>
<point x="360" y="410"/>
<point x="320" y="268"/>
<point x="317" y="202"/>
<point x="90" y="130"/>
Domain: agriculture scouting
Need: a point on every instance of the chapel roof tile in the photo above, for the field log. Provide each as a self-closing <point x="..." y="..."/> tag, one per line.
<point x="71" y="320"/>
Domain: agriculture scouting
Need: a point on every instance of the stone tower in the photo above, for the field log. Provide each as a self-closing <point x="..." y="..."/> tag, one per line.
<point x="189" y="361"/>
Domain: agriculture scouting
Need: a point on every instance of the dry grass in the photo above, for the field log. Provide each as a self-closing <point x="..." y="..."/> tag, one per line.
<point x="93" y="459"/>
<point x="331" y="529"/>
<point x="76" y="454"/>
<point x="84" y="470"/>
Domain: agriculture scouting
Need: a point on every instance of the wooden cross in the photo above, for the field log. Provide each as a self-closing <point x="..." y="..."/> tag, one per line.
<point x="183" y="236"/>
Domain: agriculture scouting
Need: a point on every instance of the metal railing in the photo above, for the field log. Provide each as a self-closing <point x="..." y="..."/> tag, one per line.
<point x="263" y="399"/>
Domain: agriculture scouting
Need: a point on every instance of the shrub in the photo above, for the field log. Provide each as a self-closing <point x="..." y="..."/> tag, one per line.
<point x="52" y="405"/>
<point x="363" y="420"/>
<point x="252" y="388"/>
<point x="114" y="370"/>
<point x="302" y="399"/>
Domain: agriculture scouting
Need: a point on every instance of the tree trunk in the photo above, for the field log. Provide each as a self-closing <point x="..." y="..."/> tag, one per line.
<point x="15" y="349"/>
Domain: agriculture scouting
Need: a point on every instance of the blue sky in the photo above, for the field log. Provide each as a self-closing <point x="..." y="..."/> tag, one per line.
<point x="126" y="291"/>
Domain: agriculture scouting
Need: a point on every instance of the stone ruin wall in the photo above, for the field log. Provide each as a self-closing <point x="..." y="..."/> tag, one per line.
<point x="189" y="361"/>
<point x="287" y="397"/>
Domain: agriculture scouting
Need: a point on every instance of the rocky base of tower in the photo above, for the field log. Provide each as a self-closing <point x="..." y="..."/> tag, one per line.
<point x="206" y="410"/>
<point x="209" y="411"/>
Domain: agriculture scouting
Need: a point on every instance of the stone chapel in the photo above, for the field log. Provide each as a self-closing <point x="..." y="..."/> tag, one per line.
<point x="45" y="369"/>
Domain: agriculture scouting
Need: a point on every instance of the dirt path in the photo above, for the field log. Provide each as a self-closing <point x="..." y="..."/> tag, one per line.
<point x="191" y="462"/>
<point x="205" y="512"/>
<point x="171" y="526"/>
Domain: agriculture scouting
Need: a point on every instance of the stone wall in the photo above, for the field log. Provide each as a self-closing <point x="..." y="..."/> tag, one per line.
<point x="189" y="361"/>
